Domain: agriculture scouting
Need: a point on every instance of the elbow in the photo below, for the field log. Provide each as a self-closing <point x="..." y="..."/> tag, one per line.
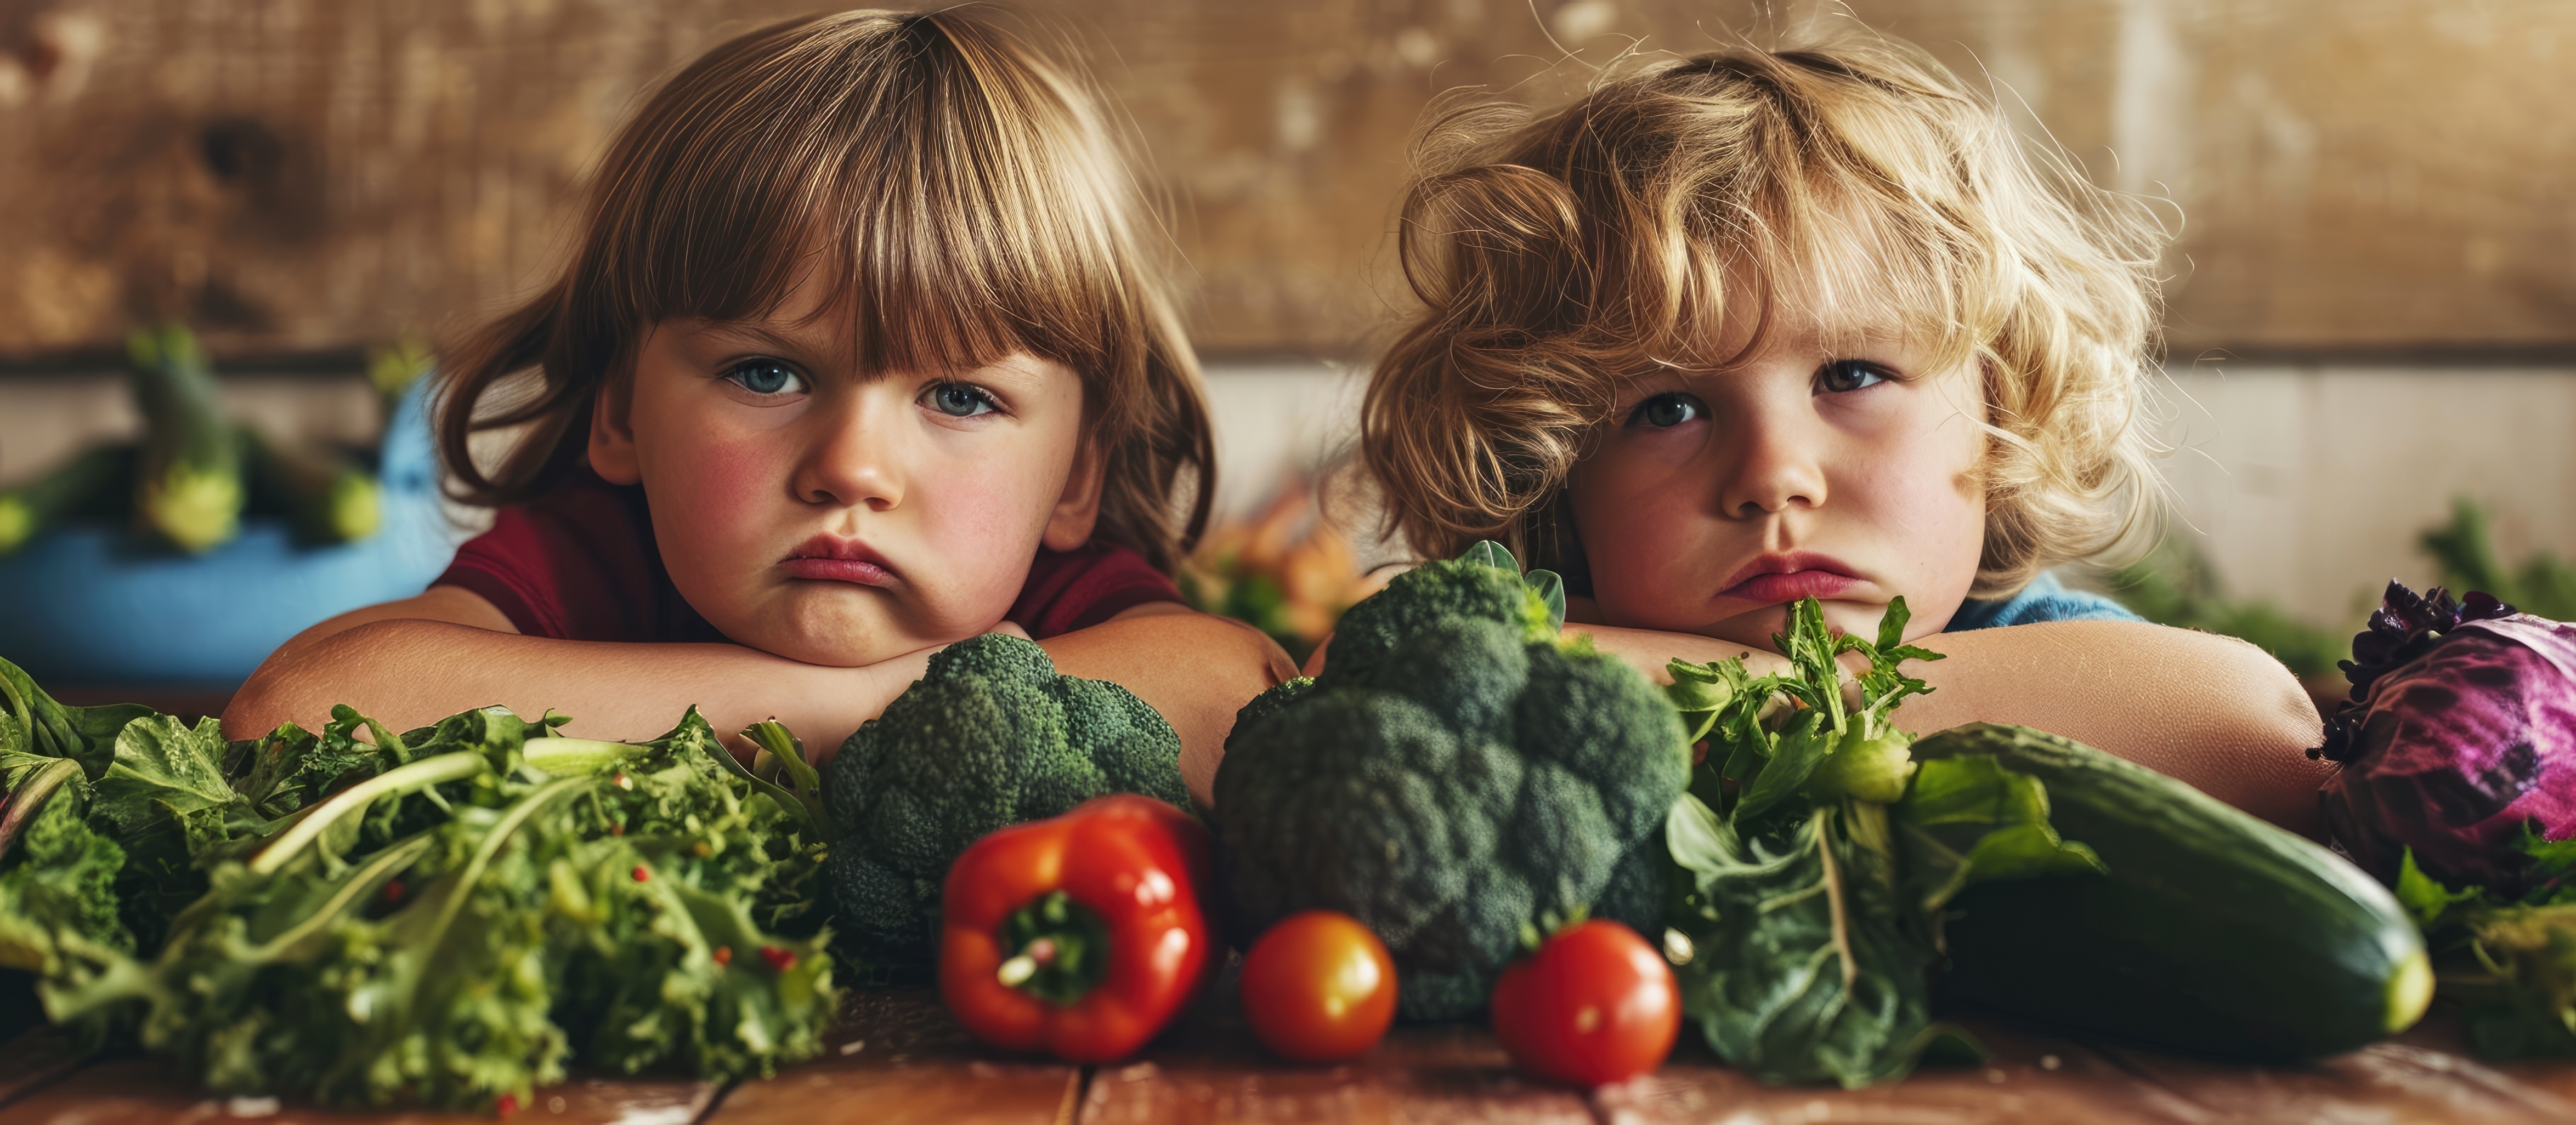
<point x="1256" y="664"/>
<point x="275" y="693"/>
<point x="2276" y="726"/>
<point x="301" y="681"/>
<point x="257" y="706"/>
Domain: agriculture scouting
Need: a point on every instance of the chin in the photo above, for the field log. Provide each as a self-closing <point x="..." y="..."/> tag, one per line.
<point x="831" y="644"/>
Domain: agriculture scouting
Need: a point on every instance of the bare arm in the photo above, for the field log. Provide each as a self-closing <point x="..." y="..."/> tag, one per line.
<point x="2213" y="711"/>
<point x="1195" y="668"/>
<point x="412" y="662"/>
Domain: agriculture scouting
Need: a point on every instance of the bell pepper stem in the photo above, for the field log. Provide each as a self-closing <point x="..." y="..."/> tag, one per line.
<point x="1060" y="949"/>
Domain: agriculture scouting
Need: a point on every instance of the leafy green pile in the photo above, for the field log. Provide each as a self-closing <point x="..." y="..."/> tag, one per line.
<point x="2510" y="961"/>
<point x="446" y="916"/>
<point x="1819" y="855"/>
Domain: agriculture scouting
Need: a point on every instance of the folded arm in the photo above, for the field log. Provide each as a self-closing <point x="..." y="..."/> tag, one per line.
<point x="2213" y="711"/>
<point x="411" y="662"/>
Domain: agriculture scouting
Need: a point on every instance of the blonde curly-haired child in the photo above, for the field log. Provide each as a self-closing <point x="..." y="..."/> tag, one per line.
<point x="1733" y="330"/>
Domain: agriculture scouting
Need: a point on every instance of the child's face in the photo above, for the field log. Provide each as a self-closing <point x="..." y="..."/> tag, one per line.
<point x="810" y="511"/>
<point x="1715" y="499"/>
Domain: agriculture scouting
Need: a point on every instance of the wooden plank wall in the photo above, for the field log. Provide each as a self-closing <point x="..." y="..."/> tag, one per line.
<point x="301" y="176"/>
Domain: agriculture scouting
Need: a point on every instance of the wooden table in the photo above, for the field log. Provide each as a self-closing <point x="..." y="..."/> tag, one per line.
<point x="897" y="1058"/>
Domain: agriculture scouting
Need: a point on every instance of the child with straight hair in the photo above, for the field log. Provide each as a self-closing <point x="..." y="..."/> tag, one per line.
<point x="860" y="351"/>
<point x="1735" y="330"/>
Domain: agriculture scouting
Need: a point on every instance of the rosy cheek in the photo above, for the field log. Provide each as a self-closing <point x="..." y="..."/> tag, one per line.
<point x="1641" y="535"/>
<point x="713" y="497"/>
<point x="979" y="521"/>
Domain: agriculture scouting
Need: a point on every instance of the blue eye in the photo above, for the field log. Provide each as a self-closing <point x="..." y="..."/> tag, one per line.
<point x="766" y="377"/>
<point x="958" y="400"/>
<point x="1849" y="375"/>
<point x="1666" y="410"/>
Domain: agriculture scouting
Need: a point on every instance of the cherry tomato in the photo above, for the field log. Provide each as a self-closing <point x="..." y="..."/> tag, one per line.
<point x="1319" y="987"/>
<point x="1595" y="1004"/>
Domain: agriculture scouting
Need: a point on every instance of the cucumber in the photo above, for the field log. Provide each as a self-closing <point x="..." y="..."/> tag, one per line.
<point x="91" y="483"/>
<point x="189" y="484"/>
<point x="2214" y="932"/>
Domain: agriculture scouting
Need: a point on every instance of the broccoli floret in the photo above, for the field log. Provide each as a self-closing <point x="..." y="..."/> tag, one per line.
<point x="1368" y="634"/>
<point x="990" y="736"/>
<point x="1454" y="775"/>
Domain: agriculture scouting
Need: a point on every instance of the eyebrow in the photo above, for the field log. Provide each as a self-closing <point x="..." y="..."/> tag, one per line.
<point x="753" y="333"/>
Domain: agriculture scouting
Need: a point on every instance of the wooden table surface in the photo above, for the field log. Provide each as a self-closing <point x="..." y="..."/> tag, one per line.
<point x="897" y="1058"/>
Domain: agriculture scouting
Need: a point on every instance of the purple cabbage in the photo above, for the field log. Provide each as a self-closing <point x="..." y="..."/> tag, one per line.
<point x="2461" y="729"/>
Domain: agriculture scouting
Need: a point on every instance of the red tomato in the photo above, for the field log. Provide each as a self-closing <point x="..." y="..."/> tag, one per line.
<point x="1595" y="1004"/>
<point x="1319" y="987"/>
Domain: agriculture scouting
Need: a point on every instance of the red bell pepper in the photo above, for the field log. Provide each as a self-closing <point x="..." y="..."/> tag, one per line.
<point x="1081" y="936"/>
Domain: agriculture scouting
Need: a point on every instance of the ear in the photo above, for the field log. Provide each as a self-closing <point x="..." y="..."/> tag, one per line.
<point x="1077" y="512"/>
<point x="612" y="438"/>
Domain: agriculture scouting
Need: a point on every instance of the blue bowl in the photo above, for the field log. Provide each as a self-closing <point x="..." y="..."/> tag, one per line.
<point x="99" y="604"/>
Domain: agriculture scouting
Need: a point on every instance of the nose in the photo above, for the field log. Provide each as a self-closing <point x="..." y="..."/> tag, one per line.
<point x="851" y="458"/>
<point x="1777" y="462"/>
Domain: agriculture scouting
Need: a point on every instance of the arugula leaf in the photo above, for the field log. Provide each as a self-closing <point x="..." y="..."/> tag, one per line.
<point x="1549" y="585"/>
<point x="1803" y="969"/>
<point x="1971" y="819"/>
<point x="2510" y="963"/>
<point x="2425" y="898"/>
<point x="1819" y="856"/>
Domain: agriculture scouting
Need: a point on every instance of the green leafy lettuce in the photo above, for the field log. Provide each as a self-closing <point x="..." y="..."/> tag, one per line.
<point x="2510" y="962"/>
<point x="447" y="916"/>
<point x="1817" y="856"/>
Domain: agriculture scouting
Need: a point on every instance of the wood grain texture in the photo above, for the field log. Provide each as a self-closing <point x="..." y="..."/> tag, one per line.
<point x="907" y="1061"/>
<point x="295" y="176"/>
<point x="2030" y="1079"/>
<point x="897" y="1057"/>
<point x="1212" y="1071"/>
<point x="141" y="1091"/>
<point x="34" y="1060"/>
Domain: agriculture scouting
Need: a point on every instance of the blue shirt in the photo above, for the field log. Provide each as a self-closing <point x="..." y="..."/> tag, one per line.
<point x="2045" y="599"/>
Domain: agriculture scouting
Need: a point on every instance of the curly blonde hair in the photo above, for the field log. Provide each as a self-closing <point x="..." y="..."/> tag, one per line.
<point x="1559" y="255"/>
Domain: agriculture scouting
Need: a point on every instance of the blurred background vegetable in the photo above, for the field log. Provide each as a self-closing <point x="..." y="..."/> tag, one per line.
<point x="1286" y="571"/>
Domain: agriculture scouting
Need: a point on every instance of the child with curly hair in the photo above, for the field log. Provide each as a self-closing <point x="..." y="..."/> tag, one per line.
<point x="1735" y="330"/>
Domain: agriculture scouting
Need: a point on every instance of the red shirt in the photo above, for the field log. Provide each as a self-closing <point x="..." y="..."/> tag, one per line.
<point x="579" y="564"/>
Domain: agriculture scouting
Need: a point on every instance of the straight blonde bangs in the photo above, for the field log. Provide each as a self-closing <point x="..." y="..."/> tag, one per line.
<point x="1685" y="212"/>
<point x="962" y="200"/>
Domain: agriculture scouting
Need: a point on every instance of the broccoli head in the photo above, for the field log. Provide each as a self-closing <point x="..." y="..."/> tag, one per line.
<point x="1455" y="774"/>
<point x="992" y="735"/>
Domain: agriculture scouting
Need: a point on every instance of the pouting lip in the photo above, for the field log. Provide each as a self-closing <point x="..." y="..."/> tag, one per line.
<point x="1791" y="563"/>
<point x="835" y="548"/>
